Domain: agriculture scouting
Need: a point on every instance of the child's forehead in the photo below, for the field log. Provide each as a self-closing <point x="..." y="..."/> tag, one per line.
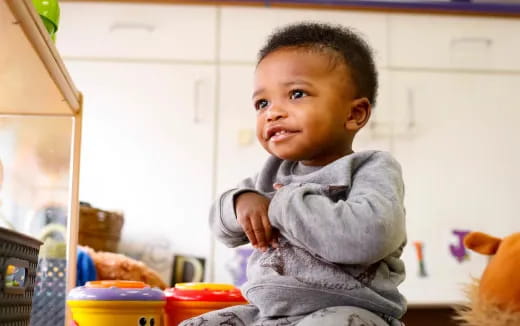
<point x="298" y="59"/>
<point x="300" y="63"/>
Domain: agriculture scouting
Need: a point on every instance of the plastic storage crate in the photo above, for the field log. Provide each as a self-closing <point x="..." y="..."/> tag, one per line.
<point x="49" y="294"/>
<point x="48" y="307"/>
<point x="18" y="261"/>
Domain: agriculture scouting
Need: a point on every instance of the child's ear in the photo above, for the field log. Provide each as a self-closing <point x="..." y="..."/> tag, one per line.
<point x="359" y="114"/>
<point x="482" y="243"/>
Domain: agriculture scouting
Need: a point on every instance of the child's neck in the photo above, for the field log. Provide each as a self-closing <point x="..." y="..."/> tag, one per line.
<point x="326" y="159"/>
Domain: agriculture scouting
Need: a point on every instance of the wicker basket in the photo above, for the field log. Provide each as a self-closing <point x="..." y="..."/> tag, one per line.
<point x="18" y="261"/>
<point x="99" y="229"/>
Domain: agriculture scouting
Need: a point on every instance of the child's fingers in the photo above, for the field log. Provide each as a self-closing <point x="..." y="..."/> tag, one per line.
<point x="274" y="240"/>
<point x="248" y="229"/>
<point x="267" y="228"/>
<point x="258" y="229"/>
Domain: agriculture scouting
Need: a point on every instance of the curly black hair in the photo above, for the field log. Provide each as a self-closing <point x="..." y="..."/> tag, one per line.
<point x="347" y="46"/>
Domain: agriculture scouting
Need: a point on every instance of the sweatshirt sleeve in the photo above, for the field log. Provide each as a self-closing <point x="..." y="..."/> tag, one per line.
<point x="363" y="227"/>
<point x="223" y="219"/>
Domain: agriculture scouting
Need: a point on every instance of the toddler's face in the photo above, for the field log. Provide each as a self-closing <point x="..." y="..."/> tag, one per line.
<point x="303" y="102"/>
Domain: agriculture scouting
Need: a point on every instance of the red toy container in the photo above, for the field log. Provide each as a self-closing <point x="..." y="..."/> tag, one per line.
<point x="187" y="300"/>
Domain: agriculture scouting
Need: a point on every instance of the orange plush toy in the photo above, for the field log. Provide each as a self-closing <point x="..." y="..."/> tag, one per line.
<point x="112" y="266"/>
<point x="495" y="300"/>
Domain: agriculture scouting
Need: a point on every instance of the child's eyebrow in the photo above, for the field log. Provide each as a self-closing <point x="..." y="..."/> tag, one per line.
<point x="258" y="91"/>
<point x="286" y="84"/>
<point x="297" y="82"/>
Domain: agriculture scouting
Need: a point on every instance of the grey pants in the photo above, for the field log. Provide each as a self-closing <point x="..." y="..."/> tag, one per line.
<point x="248" y="315"/>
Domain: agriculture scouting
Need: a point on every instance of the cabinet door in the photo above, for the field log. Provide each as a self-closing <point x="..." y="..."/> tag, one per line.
<point x="147" y="148"/>
<point x="377" y="133"/>
<point x="457" y="140"/>
<point x="245" y="30"/>
<point x="453" y="42"/>
<point x="137" y="31"/>
<point x="239" y="154"/>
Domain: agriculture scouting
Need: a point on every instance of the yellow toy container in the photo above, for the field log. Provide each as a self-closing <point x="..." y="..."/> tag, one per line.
<point x="113" y="303"/>
<point x="189" y="300"/>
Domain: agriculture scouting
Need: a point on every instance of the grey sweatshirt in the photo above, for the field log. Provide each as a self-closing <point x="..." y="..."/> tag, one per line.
<point x="342" y="232"/>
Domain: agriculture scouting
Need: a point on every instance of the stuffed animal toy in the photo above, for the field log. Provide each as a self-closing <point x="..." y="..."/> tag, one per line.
<point x="112" y="266"/>
<point x="495" y="299"/>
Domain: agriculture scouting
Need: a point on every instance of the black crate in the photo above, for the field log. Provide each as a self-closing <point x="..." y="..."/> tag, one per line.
<point x="18" y="262"/>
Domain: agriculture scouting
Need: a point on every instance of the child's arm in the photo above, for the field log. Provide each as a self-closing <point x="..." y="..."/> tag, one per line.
<point x="364" y="228"/>
<point x="223" y="218"/>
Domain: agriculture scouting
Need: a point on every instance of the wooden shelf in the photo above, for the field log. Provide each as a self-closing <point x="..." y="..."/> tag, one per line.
<point x="34" y="82"/>
<point x="33" y="79"/>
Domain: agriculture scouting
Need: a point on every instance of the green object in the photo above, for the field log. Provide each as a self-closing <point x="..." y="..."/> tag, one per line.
<point x="49" y="11"/>
<point x="51" y="28"/>
<point x="52" y="249"/>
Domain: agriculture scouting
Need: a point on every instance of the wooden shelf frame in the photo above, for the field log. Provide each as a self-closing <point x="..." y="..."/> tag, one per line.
<point x="35" y="82"/>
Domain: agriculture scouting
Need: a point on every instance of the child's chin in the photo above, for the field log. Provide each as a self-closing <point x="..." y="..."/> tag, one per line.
<point x="287" y="156"/>
<point x="284" y="152"/>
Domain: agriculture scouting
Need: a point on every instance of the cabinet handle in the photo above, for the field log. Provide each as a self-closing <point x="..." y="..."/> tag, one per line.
<point x="410" y="104"/>
<point x="486" y="41"/>
<point x="131" y="25"/>
<point x="196" y="103"/>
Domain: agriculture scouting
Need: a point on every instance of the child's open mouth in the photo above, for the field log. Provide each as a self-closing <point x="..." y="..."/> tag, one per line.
<point x="276" y="134"/>
<point x="282" y="135"/>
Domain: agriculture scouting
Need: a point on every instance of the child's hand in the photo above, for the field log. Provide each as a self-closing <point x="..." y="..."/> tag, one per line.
<point x="251" y="209"/>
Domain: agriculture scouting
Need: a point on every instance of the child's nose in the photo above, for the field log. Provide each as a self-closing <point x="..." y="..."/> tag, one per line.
<point x="275" y="113"/>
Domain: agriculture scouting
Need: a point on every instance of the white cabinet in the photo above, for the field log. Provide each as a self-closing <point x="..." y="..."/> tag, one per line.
<point x="377" y="133"/>
<point x="245" y="30"/>
<point x="137" y="31"/>
<point x="148" y="133"/>
<point x="239" y="155"/>
<point x="454" y="42"/>
<point x="460" y="163"/>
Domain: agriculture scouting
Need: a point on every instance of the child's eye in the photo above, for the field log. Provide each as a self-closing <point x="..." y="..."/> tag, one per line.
<point x="261" y="104"/>
<point x="297" y="93"/>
